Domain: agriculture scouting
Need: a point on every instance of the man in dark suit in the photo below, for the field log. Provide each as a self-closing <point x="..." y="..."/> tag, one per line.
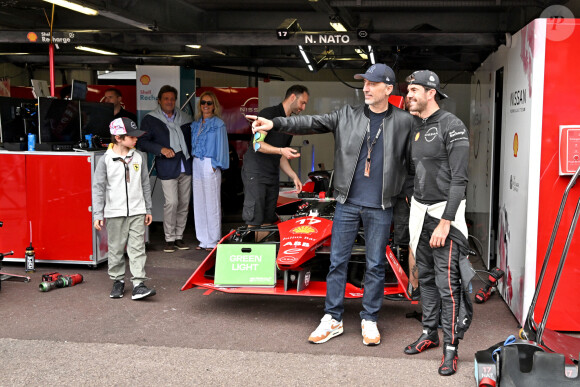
<point x="168" y="138"/>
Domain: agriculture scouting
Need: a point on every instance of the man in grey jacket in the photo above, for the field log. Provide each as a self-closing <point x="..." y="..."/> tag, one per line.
<point x="371" y="161"/>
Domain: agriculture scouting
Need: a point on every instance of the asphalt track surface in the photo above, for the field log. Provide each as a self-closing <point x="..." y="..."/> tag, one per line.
<point x="80" y="336"/>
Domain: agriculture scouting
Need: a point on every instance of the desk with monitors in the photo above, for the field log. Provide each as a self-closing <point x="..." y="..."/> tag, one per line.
<point x="58" y="124"/>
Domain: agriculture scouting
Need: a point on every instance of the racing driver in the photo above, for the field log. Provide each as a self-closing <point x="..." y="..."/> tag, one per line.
<point x="438" y="232"/>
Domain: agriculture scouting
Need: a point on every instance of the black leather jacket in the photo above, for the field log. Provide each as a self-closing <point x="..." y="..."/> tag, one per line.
<point x="349" y="125"/>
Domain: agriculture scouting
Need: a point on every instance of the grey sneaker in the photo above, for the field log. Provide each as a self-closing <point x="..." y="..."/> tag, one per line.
<point x="118" y="289"/>
<point x="141" y="291"/>
<point x="181" y="245"/>
<point x="169" y="247"/>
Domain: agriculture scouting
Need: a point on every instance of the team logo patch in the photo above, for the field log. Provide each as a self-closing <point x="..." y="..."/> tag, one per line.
<point x="453" y="133"/>
<point x="417" y="136"/>
<point x="303" y="230"/>
<point x="431" y="134"/>
<point x="136" y="167"/>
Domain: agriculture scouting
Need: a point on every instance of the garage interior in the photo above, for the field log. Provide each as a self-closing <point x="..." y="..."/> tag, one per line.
<point x="242" y="37"/>
<point x="194" y="337"/>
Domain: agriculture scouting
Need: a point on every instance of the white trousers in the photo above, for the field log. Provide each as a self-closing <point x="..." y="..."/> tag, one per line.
<point x="207" y="202"/>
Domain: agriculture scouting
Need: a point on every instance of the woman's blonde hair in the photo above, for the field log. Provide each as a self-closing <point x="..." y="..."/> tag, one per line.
<point x="217" y="108"/>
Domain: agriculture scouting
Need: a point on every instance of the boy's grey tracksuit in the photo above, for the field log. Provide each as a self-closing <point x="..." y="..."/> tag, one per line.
<point x="122" y="196"/>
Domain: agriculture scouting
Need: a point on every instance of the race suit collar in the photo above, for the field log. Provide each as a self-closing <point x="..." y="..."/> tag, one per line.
<point x="433" y="117"/>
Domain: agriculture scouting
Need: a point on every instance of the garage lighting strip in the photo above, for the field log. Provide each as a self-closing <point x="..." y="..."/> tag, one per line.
<point x="95" y="50"/>
<point x="74" y="6"/>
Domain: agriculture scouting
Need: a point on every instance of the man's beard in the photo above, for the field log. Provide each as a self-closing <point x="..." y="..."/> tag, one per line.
<point x="419" y="106"/>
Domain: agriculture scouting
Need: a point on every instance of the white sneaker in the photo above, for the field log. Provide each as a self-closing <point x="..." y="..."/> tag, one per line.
<point x="370" y="333"/>
<point x="327" y="329"/>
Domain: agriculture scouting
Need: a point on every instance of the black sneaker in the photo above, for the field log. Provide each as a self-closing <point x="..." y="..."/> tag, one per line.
<point x="142" y="291"/>
<point x="181" y="245"/>
<point x="428" y="339"/>
<point x="396" y="297"/>
<point x="416" y="294"/>
<point x="449" y="361"/>
<point x="118" y="289"/>
<point x="169" y="247"/>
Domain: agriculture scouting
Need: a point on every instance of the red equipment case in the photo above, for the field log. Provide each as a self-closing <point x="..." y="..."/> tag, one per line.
<point x="50" y="193"/>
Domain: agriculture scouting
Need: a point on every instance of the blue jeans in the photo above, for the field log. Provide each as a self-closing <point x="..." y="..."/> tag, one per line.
<point x="377" y="226"/>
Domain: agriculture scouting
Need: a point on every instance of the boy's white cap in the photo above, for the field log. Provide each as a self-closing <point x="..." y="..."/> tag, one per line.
<point x="126" y="126"/>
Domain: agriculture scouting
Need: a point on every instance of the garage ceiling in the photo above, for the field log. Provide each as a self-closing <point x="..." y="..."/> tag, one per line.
<point x="440" y="35"/>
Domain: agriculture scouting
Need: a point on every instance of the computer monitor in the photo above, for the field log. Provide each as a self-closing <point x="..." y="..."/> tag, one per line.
<point x="78" y="90"/>
<point x="59" y="122"/>
<point x="39" y="88"/>
<point x="95" y="119"/>
<point x="18" y="117"/>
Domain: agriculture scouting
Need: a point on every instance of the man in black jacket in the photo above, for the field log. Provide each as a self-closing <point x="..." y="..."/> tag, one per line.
<point x="370" y="168"/>
<point x="438" y="232"/>
<point x="168" y="138"/>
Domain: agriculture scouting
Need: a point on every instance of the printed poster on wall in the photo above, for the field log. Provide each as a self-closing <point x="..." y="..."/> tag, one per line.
<point x="149" y="80"/>
<point x="521" y="141"/>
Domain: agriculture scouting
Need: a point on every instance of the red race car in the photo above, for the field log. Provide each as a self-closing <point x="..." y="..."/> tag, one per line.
<point x="292" y="257"/>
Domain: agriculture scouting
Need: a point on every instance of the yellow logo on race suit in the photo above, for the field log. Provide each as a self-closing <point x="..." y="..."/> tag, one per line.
<point x="304" y="230"/>
<point x="417" y="136"/>
<point x="136" y="167"/>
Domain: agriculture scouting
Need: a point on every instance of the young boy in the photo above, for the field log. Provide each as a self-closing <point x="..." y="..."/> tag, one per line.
<point x="122" y="195"/>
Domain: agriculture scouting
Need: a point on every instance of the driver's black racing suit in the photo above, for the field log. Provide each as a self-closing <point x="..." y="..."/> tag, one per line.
<point x="440" y="154"/>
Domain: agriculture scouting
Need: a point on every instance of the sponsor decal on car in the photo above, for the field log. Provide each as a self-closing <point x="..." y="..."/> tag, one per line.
<point x="304" y="230"/>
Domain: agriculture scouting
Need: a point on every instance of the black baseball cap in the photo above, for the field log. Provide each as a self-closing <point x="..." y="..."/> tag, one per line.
<point x="126" y="126"/>
<point x="426" y="78"/>
<point x="378" y="72"/>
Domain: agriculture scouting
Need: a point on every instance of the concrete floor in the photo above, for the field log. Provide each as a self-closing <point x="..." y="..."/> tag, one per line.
<point x="79" y="335"/>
